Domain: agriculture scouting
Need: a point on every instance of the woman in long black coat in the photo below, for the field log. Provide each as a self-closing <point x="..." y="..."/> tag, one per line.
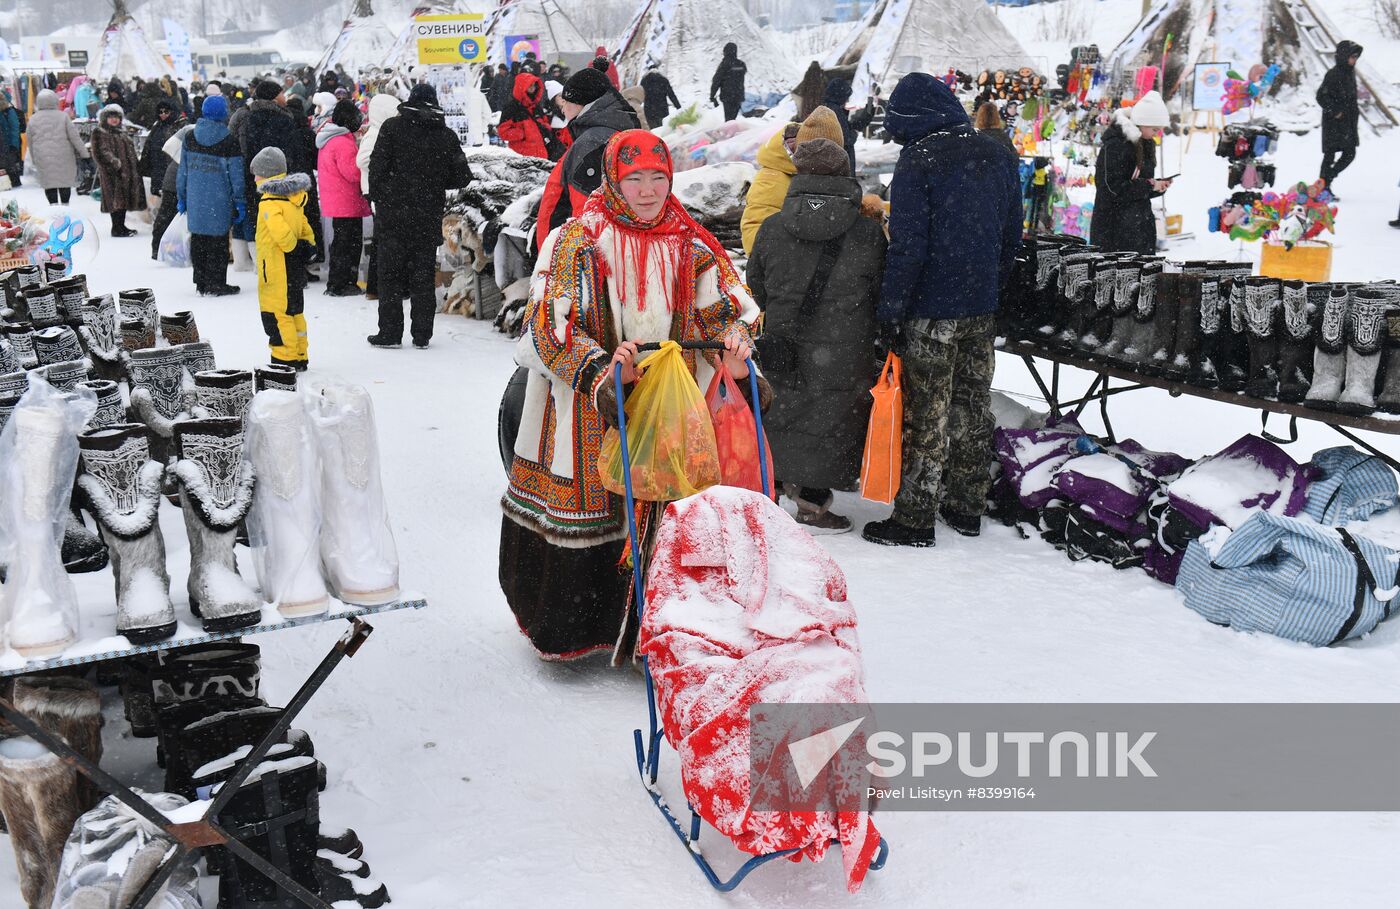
<point x="1125" y="179"/>
<point x="1341" y="114"/>
<point x="815" y="271"/>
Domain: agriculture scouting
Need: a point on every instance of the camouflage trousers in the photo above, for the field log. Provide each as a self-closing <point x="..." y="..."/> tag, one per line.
<point x="948" y="365"/>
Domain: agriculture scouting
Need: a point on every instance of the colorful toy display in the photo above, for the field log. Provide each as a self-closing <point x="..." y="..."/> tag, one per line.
<point x="1300" y="214"/>
<point x="1242" y="92"/>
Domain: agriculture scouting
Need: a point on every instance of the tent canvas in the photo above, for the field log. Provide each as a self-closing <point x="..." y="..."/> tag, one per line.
<point x="124" y="50"/>
<point x="896" y="37"/>
<point x="560" y="39"/>
<point x="686" y="38"/>
<point x="364" y="40"/>
<point x="1295" y="34"/>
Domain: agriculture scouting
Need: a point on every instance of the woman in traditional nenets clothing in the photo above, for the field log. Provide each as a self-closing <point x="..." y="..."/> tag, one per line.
<point x="633" y="268"/>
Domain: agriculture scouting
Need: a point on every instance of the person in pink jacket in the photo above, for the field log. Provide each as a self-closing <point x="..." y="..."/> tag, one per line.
<point x="341" y="198"/>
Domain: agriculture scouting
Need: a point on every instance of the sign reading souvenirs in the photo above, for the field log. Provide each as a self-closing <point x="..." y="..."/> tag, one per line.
<point x="448" y="39"/>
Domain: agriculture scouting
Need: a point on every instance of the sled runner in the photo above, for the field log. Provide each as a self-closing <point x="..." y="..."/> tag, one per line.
<point x="648" y="744"/>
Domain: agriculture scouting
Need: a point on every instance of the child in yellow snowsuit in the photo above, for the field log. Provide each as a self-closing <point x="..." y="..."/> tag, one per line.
<point x="284" y="239"/>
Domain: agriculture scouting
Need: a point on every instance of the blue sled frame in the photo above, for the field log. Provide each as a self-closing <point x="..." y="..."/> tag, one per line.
<point x="649" y="745"/>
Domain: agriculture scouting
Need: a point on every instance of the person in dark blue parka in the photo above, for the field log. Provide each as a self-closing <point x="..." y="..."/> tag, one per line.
<point x="955" y="228"/>
<point x="209" y="187"/>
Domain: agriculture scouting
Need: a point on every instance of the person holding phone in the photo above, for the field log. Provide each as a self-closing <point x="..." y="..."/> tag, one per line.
<point x="1123" y="220"/>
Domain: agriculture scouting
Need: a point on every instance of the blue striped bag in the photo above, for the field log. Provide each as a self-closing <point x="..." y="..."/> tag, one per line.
<point x="1294" y="579"/>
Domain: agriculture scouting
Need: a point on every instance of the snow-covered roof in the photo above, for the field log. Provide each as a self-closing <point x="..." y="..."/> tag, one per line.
<point x="686" y="39"/>
<point x="897" y="37"/>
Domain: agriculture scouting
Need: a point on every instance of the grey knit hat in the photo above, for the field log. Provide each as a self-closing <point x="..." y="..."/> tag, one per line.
<point x="269" y="162"/>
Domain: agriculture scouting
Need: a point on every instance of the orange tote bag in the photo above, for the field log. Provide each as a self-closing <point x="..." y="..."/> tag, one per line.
<point x="884" y="439"/>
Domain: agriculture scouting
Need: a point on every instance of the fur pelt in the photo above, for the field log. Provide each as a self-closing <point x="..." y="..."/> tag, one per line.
<point x="39" y="798"/>
<point x="71" y="708"/>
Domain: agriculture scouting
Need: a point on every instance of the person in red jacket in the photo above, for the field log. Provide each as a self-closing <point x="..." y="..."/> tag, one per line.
<point x="524" y="122"/>
<point x="604" y="64"/>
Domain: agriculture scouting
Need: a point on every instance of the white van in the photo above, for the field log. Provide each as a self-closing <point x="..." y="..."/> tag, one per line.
<point x="239" y="63"/>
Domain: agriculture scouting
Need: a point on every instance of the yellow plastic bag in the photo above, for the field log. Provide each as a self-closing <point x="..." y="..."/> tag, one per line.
<point x="669" y="435"/>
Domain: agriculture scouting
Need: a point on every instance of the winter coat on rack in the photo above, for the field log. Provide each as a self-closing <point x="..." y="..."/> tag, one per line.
<point x="580" y="171"/>
<point x="153" y="160"/>
<point x="416" y="160"/>
<point x="1341" y="113"/>
<point x="955" y="209"/>
<point x="821" y="397"/>
<point x="10" y="127"/>
<point x="768" y="190"/>
<point x="54" y="143"/>
<point x="1123" y="220"/>
<point x="524" y="123"/>
<point x="659" y="95"/>
<point x="338" y="174"/>
<point x="210" y="178"/>
<point x="118" y="168"/>
<point x="381" y="107"/>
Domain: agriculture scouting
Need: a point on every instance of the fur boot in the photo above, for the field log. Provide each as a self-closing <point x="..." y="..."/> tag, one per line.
<point x="1300" y="316"/>
<point x="282" y="378"/>
<point x="1262" y="303"/>
<point x="285" y="521"/>
<point x="121" y="488"/>
<point x="1330" y="357"/>
<point x="242" y="260"/>
<point x="224" y="392"/>
<point x="216" y="490"/>
<point x="1366" y="323"/>
<point x="179" y="328"/>
<point x="39" y="798"/>
<point x="57" y="344"/>
<point x="21" y="338"/>
<point x="99" y="334"/>
<point x="71" y="708"/>
<point x="357" y="546"/>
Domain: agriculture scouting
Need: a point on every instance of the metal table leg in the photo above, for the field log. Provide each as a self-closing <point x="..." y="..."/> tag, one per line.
<point x="194" y="836"/>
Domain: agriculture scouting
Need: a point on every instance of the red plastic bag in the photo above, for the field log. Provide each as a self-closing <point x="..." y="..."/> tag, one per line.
<point x="736" y="434"/>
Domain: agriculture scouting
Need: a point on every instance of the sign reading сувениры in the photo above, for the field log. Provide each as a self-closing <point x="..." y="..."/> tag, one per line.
<point x="450" y="39"/>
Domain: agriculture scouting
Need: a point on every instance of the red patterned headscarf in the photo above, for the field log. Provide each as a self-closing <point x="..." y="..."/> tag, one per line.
<point x="634" y="243"/>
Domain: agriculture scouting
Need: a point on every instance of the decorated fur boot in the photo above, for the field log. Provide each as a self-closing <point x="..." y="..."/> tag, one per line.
<point x="1366" y="321"/>
<point x="121" y="488"/>
<point x="1295" y="339"/>
<point x="1330" y="357"/>
<point x="179" y="328"/>
<point x="216" y="491"/>
<point x="71" y="708"/>
<point x="1262" y="303"/>
<point x="224" y="392"/>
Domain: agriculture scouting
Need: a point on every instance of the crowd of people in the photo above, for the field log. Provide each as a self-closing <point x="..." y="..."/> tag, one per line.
<point x="627" y="265"/>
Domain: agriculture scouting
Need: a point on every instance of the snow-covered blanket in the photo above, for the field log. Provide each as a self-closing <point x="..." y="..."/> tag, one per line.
<point x="743" y="608"/>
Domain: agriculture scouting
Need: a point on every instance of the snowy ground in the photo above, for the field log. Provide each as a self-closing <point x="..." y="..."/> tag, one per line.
<point x="479" y="776"/>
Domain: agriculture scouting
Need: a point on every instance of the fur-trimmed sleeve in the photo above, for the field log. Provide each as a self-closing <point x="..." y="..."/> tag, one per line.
<point x="723" y="304"/>
<point x="562" y="318"/>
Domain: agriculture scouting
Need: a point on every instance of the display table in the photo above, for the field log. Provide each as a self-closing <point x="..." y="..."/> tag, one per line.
<point x="1101" y="389"/>
<point x="197" y="828"/>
